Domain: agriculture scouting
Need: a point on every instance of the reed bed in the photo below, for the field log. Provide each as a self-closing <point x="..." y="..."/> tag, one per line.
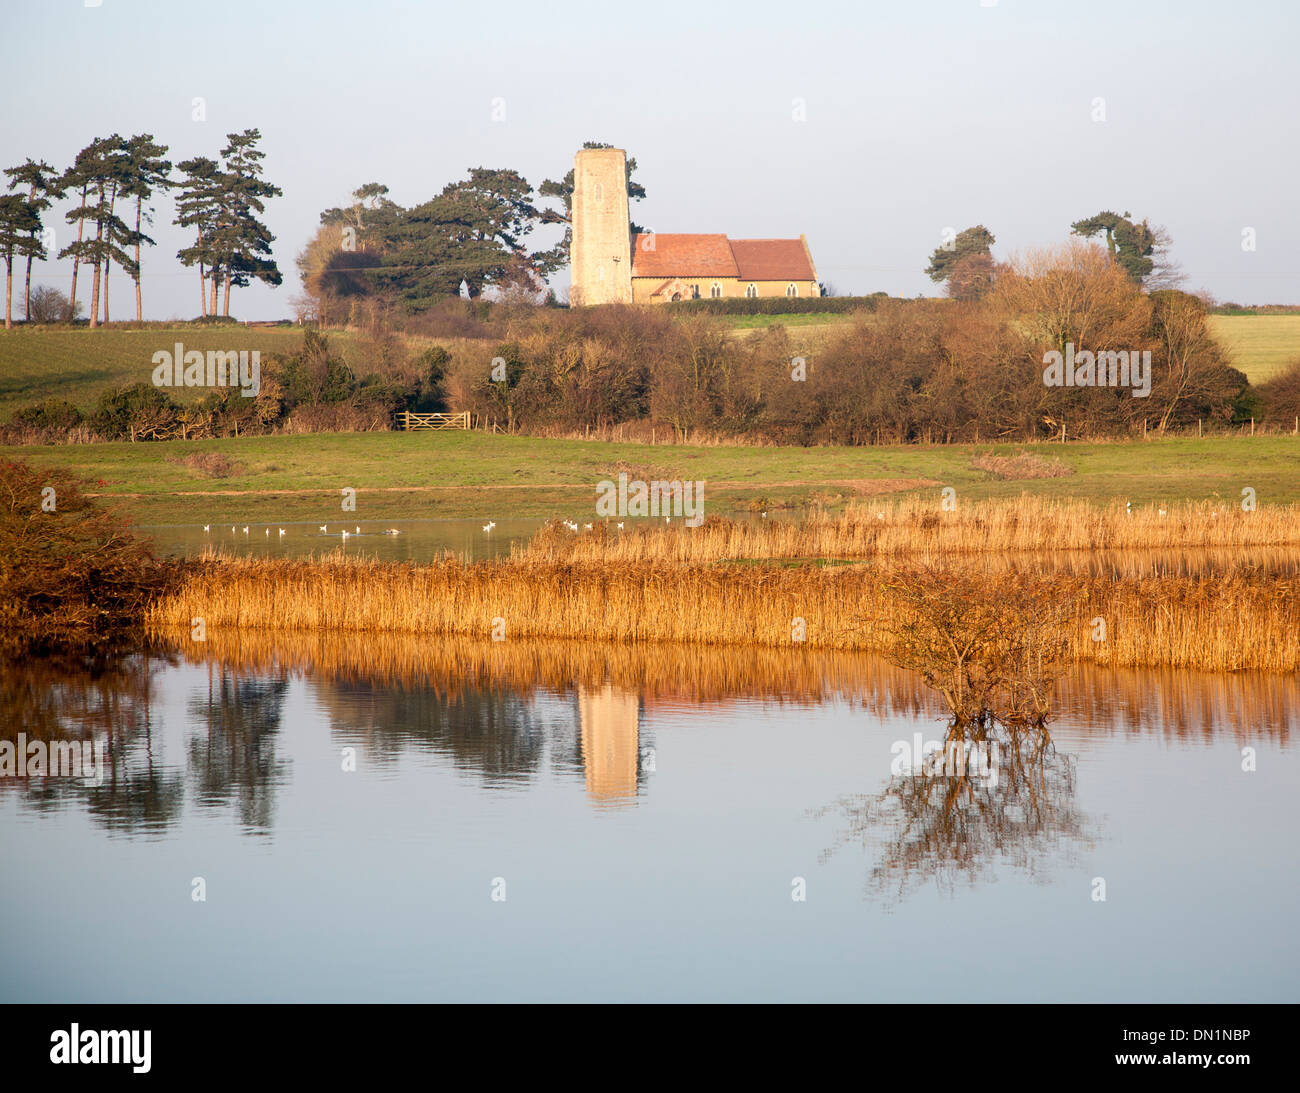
<point x="1177" y="703"/>
<point x="916" y="526"/>
<point x="1240" y="619"/>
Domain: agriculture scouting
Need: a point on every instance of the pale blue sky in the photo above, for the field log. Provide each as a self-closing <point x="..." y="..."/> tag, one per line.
<point x="919" y="116"/>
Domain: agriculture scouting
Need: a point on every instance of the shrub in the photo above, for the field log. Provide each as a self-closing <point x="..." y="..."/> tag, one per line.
<point x="72" y="577"/>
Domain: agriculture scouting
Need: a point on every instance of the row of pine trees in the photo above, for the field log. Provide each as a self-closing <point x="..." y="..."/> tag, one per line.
<point x="113" y="183"/>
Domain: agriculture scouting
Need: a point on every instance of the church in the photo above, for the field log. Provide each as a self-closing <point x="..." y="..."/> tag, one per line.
<point x="610" y="265"/>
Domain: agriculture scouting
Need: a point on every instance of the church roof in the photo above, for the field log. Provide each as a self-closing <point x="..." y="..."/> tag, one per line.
<point x="660" y="255"/>
<point x="772" y="260"/>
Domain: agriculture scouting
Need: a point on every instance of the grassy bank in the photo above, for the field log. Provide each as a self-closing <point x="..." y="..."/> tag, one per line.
<point x="420" y="475"/>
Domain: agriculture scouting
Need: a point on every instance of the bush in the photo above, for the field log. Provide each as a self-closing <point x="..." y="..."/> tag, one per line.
<point x="138" y="412"/>
<point x="1279" y="398"/>
<point x="72" y="577"/>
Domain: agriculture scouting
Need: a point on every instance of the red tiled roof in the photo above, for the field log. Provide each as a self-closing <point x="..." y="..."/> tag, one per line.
<point x="660" y="255"/>
<point x="772" y="260"/>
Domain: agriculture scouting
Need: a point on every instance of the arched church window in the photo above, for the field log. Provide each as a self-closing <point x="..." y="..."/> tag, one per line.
<point x="716" y="291"/>
<point x="752" y="290"/>
<point x="792" y="289"/>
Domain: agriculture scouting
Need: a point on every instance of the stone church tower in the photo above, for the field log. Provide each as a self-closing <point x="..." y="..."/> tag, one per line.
<point x="600" y="258"/>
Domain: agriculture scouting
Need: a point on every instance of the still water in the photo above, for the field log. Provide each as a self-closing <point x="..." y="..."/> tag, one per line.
<point x="415" y="541"/>
<point x="644" y="820"/>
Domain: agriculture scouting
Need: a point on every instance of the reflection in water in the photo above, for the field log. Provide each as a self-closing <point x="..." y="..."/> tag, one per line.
<point x="610" y="744"/>
<point x="233" y="757"/>
<point x="508" y="713"/>
<point x="959" y="822"/>
<point x="107" y="706"/>
<point x="494" y="733"/>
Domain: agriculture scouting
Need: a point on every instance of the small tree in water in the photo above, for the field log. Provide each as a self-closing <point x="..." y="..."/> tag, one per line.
<point x="991" y="644"/>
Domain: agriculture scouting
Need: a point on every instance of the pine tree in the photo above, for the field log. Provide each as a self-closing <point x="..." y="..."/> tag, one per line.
<point x="198" y="206"/>
<point x="242" y="242"/>
<point x="43" y="185"/>
<point x="17" y="223"/>
<point x="148" y="171"/>
<point x="98" y="172"/>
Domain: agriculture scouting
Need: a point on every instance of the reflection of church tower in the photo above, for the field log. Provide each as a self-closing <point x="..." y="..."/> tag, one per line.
<point x="600" y="257"/>
<point x="609" y="744"/>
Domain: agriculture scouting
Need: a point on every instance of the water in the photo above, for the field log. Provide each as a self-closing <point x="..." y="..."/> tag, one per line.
<point x="647" y="816"/>
<point x="417" y="541"/>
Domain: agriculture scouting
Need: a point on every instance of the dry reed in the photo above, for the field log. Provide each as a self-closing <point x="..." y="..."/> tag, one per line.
<point x="1240" y="619"/>
<point x="917" y="526"/>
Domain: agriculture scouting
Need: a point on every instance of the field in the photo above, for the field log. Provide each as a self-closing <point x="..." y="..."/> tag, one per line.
<point x="79" y="364"/>
<point x="421" y="475"/>
<point x="1260" y="345"/>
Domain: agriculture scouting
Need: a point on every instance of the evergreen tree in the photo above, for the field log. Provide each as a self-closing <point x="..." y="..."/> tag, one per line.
<point x="17" y="223"/>
<point x="976" y="241"/>
<point x="99" y="173"/>
<point x="43" y="185"/>
<point x="198" y="206"/>
<point x="148" y="171"/>
<point x="1130" y="244"/>
<point x="241" y="242"/>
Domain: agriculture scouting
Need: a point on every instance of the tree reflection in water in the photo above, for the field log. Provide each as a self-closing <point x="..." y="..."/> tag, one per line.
<point x="233" y="756"/>
<point x="955" y="827"/>
<point x="107" y="704"/>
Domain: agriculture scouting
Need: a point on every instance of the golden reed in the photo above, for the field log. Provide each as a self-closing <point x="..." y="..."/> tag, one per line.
<point x="1242" y="618"/>
<point x="918" y="526"/>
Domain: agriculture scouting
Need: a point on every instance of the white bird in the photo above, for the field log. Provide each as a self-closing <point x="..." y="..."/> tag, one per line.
<point x="245" y="529"/>
<point x="282" y="531"/>
<point x="268" y="533"/>
<point x="345" y="533"/>
<point x="587" y="526"/>
<point x="880" y="516"/>
<point x="358" y="529"/>
<point x="620" y="525"/>
<point x="669" y="519"/>
<point x="323" y="528"/>
<point x="207" y="527"/>
<point x="764" y="514"/>
<point x="1162" y="512"/>
<point x="232" y="529"/>
<point x="1128" y="507"/>
<point x="392" y="531"/>
<point x="492" y="523"/>
<point x="487" y="527"/>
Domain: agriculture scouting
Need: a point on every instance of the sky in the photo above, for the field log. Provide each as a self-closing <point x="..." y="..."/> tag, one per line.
<point x="868" y="127"/>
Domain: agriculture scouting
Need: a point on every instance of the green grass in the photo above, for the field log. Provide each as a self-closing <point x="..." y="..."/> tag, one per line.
<point x="1259" y="345"/>
<point x="759" y="322"/>
<point x="420" y="475"/>
<point x="79" y="364"/>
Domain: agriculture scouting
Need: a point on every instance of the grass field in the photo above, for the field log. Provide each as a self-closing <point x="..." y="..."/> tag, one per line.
<point x="1260" y="345"/>
<point x="421" y="475"/>
<point x="80" y="364"/>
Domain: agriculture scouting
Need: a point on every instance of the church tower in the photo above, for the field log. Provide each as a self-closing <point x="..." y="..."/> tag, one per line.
<point x="600" y="259"/>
